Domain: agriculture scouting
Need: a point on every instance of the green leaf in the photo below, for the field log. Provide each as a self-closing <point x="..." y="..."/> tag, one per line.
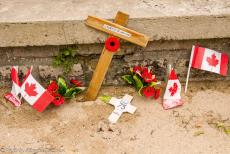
<point x="56" y="61"/>
<point x="67" y="53"/>
<point x="227" y="131"/>
<point x="73" y="53"/>
<point x="198" y="133"/>
<point x="62" y="87"/>
<point x="105" y="98"/>
<point x="220" y="125"/>
<point x="131" y="70"/>
<point x="138" y="82"/>
<point x="152" y="84"/>
<point x="70" y="93"/>
<point x="66" y="58"/>
<point x="51" y="81"/>
<point x="139" y="91"/>
<point x="128" y="78"/>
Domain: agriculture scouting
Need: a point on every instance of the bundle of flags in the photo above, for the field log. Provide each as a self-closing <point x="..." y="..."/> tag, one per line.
<point x="30" y="90"/>
<point x="201" y="58"/>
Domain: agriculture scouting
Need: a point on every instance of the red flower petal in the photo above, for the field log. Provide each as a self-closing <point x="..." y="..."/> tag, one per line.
<point x="145" y="70"/>
<point x="58" y="99"/>
<point x="137" y="69"/>
<point x="147" y="76"/>
<point x="53" y="87"/>
<point x="157" y="93"/>
<point x="148" y="91"/>
<point x="154" y="80"/>
<point x="112" y="44"/>
<point x="76" y="82"/>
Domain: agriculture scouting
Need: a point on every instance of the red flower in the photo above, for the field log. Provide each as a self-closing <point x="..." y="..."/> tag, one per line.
<point x="137" y="69"/>
<point x="112" y="44"/>
<point x="154" y="80"/>
<point x="145" y="70"/>
<point x="58" y="99"/>
<point x="148" y="91"/>
<point x="76" y="82"/>
<point x="53" y="87"/>
<point x="157" y="93"/>
<point x="147" y="76"/>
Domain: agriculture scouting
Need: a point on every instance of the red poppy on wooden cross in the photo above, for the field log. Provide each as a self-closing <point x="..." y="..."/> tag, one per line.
<point x="117" y="31"/>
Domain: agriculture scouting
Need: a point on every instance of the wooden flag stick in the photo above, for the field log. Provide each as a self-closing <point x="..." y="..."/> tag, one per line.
<point x="186" y="84"/>
<point x="189" y="68"/>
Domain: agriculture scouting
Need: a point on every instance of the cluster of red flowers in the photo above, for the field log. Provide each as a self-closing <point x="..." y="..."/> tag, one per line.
<point x="150" y="91"/>
<point x="145" y="73"/>
<point x="147" y="76"/>
<point x="53" y="90"/>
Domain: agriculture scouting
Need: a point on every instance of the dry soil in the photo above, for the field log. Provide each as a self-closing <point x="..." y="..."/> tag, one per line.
<point x="197" y="127"/>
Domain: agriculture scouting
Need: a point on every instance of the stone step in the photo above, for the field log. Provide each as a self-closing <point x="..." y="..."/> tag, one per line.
<point x="40" y="23"/>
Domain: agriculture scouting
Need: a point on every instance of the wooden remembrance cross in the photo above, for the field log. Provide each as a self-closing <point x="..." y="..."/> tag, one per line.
<point x="118" y="30"/>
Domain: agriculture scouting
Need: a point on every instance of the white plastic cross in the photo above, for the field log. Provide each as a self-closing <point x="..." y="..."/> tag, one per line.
<point x="121" y="105"/>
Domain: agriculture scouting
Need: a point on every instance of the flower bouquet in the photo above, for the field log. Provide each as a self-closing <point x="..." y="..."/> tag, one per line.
<point x="60" y="91"/>
<point x="144" y="81"/>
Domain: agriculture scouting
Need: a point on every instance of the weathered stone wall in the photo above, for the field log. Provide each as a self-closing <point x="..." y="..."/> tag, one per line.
<point x="157" y="54"/>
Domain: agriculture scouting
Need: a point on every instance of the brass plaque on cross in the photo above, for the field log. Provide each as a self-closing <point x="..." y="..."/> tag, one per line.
<point x="118" y="30"/>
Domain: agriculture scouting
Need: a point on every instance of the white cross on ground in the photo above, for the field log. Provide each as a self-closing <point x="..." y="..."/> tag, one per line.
<point x="121" y="105"/>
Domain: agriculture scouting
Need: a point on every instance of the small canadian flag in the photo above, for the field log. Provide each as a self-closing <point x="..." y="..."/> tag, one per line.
<point x="13" y="95"/>
<point x="208" y="60"/>
<point x="172" y="96"/>
<point x="33" y="93"/>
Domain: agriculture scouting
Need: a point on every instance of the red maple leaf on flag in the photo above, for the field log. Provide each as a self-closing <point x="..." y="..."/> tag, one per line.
<point x="212" y="61"/>
<point x="173" y="89"/>
<point x="30" y="89"/>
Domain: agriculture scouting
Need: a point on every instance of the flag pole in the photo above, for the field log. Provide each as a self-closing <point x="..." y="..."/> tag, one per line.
<point x="189" y="68"/>
<point x="169" y="67"/>
<point x="169" y="71"/>
<point x="186" y="84"/>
